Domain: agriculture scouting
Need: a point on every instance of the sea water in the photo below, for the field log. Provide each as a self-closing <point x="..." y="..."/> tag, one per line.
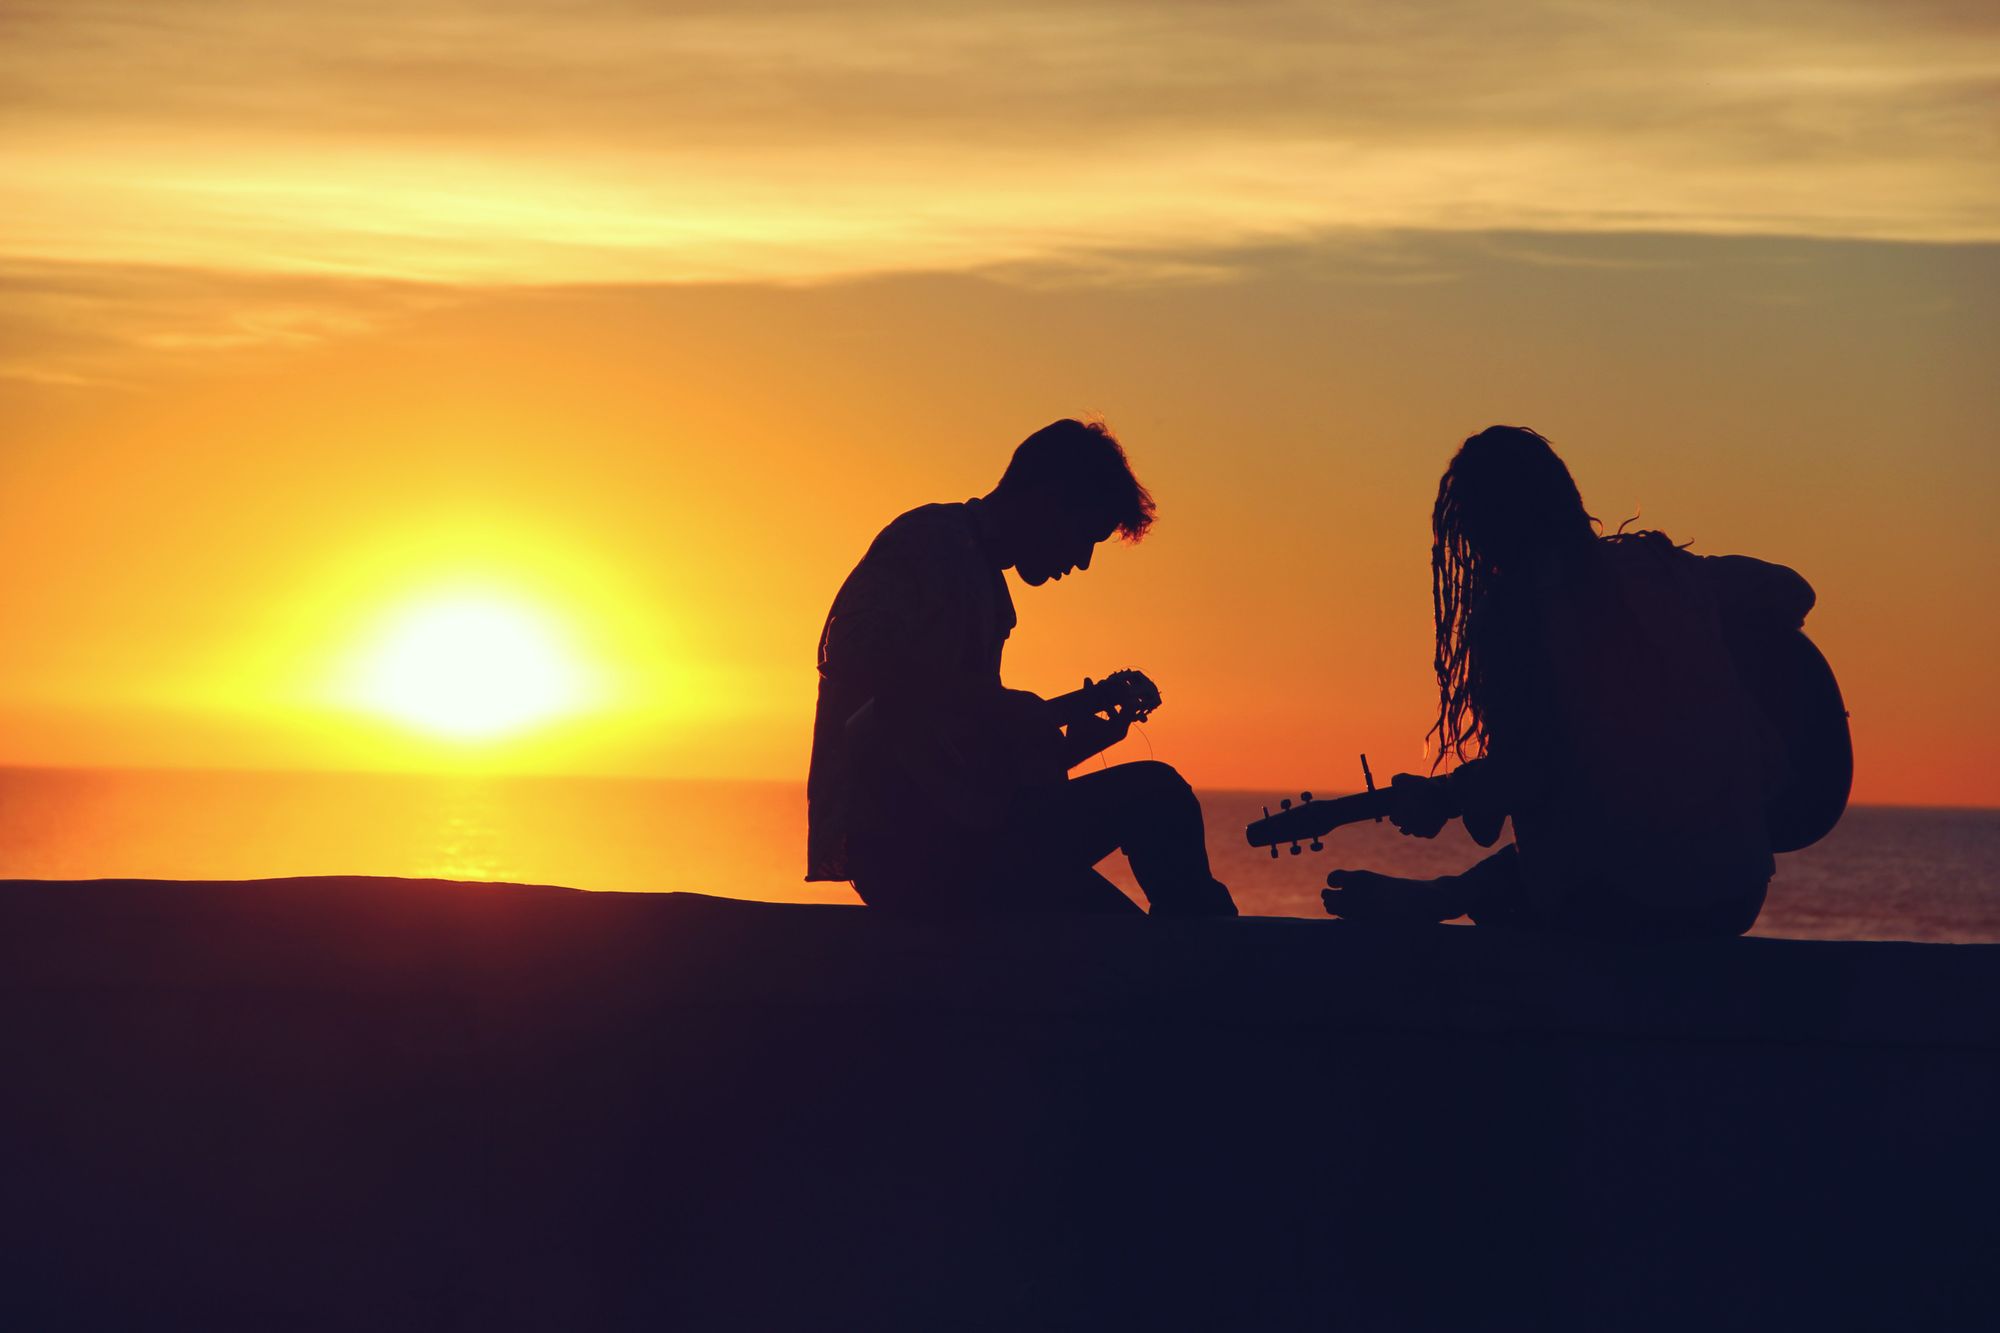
<point x="1885" y="873"/>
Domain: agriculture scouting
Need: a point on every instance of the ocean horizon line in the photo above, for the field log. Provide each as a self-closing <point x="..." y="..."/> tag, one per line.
<point x="471" y="775"/>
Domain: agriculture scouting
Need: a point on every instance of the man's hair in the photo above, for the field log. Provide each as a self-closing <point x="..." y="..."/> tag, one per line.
<point x="1083" y="460"/>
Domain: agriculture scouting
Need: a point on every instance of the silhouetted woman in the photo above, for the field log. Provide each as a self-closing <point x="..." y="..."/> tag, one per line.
<point x="1586" y="689"/>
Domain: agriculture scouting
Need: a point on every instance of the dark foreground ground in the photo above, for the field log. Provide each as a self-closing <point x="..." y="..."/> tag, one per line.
<point x="386" y="1104"/>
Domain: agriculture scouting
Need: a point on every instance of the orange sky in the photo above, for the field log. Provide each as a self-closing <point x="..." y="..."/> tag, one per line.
<point x="648" y="323"/>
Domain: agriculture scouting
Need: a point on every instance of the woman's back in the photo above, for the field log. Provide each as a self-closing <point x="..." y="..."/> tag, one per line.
<point x="1654" y="765"/>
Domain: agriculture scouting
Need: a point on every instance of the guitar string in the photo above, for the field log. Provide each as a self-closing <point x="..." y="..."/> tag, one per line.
<point x="1103" y="762"/>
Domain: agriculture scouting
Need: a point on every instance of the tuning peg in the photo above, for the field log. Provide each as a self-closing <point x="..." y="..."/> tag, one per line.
<point x="1285" y="804"/>
<point x="1274" y="851"/>
<point x="1317" y="845"/>
<point x="1295" y="849"/>
<point x="1305" y="798"/>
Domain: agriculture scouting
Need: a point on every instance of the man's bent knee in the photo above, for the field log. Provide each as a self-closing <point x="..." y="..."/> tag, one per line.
<point x="1160" y="781"/>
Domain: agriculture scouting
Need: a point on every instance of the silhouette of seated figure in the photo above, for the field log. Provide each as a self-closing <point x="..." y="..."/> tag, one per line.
<point x="936" y="790"/>
<point x="1587" y="688"/>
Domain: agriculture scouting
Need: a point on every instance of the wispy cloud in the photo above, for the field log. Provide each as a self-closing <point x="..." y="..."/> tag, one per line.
<point x="613" y="140"/>
<point x="68" y="326"/>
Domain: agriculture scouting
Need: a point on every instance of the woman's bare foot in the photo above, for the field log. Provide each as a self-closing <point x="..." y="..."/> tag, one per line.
<point x="1390" y="900"/>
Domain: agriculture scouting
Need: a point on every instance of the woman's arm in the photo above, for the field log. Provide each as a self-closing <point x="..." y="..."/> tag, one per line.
<point x="1481" y="793"/>
<point x="1486" y="791"/>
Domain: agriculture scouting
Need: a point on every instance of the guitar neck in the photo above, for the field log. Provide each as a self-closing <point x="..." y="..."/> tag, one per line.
<point x="1092" y="698"/>
<point x="1316" y="817"/>
<point x="1067" y="708"/>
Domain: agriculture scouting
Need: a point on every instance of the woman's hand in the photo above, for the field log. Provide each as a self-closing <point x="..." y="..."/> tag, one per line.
<point x="1417" y="805"/>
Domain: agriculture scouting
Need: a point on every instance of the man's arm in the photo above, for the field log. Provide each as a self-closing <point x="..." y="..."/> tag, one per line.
<point x="1092" y="734"/>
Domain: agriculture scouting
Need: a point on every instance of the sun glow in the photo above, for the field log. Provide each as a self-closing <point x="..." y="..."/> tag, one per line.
<point x="472" y="666"/>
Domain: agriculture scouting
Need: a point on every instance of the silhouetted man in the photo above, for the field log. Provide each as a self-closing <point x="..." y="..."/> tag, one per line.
<point x="935" y="789"/>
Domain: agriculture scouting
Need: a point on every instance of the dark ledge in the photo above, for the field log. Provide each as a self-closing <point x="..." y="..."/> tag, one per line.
<point x="337" y="1103"/>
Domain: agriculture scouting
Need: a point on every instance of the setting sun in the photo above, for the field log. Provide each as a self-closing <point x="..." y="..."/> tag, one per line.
<point x="471" y="666"/>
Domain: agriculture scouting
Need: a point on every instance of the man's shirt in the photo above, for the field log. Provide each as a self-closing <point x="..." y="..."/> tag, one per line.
<point x="923" y="618"/>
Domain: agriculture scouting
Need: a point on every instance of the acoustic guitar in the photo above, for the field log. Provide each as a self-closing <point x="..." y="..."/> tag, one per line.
<point x="964" y="768"/>
<point x="1785" y="673"/>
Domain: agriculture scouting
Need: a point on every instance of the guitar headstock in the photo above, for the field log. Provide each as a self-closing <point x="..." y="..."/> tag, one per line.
<point x="1128" y="690"/>
<point x="1284" y="814"/>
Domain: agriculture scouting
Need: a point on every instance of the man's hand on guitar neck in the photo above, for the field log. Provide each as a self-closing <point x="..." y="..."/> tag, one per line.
<point x="1093" y="733"/>
<point x="1101" y="714"/>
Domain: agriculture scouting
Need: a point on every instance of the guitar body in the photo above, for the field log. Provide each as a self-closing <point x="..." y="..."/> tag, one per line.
<point x="961" y="770"/>
<point x="1025" y="743"/>
<point x="1788" y="676"/>
<point x="950" y="774"/>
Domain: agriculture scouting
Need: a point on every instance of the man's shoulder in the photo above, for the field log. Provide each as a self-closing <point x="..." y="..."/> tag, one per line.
<point x="941" y="517"/>
<point x="927" y="527"/>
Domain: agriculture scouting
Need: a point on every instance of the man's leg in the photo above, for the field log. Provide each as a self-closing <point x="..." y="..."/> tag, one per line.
<point x="1043" y="888"/>
<point x="1144" y="808"/>
<point x="946" y="879"/>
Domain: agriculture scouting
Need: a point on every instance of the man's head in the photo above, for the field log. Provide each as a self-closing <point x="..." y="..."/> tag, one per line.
<point x="1067" y="488"/>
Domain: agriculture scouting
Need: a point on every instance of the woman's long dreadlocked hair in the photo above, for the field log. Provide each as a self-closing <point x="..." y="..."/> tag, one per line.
<point x="1505" y="501"/>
